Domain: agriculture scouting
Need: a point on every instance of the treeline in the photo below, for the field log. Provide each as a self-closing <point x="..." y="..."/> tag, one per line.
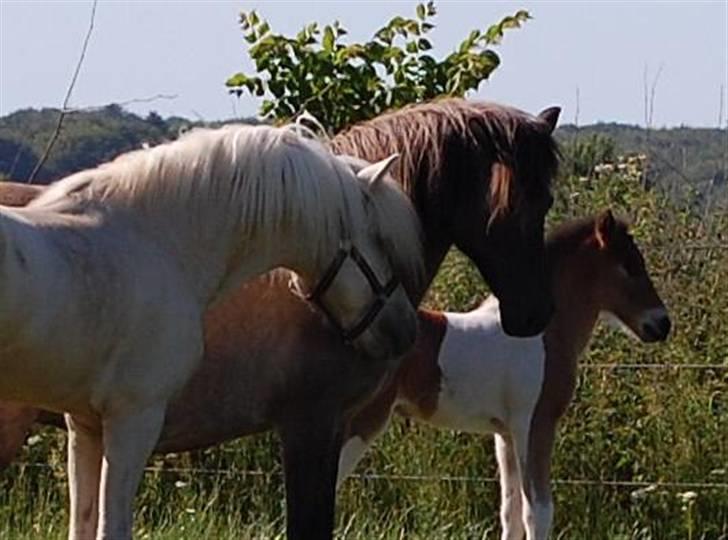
<point x="681" y="160"/>
<point x="87" y="138"/>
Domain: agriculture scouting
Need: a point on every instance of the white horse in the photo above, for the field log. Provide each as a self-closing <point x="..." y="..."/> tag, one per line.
<point x="465" y="373"/>
<point x="106" y="275"/>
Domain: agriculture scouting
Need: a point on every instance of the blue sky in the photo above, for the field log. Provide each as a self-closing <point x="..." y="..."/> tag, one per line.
<point x="188" y="48"/>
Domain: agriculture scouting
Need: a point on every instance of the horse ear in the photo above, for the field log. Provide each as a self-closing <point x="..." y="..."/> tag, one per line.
<point x="604" y="229"/>
<point x="550" y="117"/>
<point x="375" y="172"/>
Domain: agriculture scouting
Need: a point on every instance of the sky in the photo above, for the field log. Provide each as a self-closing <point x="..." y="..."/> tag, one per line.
<point x="600" y="51"/>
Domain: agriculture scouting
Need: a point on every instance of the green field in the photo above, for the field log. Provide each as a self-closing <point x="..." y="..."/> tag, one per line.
<point x="642" y="454"/>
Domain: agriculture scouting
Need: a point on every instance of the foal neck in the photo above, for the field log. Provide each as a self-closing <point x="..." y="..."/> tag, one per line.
<point x="576" y="305"/>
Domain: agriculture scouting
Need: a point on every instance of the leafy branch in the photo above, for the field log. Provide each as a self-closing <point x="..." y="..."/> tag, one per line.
<point x="342" y="83"/>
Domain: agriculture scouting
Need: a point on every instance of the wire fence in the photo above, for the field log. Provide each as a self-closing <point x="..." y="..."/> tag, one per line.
<point x="700" y="367"/>
<point x="420" y="478"/>
<point x="637" y="485"/>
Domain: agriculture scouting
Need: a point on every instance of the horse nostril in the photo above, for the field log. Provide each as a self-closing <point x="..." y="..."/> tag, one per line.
<point x="664" y="324"/>
<point x="536" y="322"/>
<point x="657" y="329"/>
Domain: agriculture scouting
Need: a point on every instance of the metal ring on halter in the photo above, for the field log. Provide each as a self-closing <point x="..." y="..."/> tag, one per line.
<point x="381" y="292"/>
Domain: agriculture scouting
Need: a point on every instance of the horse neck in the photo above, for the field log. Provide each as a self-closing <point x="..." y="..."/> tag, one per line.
<point x="576" y="308"/>
<point x="214" y="265"/>
<point x="436" y="245"/>
<point x="436" y="240"/>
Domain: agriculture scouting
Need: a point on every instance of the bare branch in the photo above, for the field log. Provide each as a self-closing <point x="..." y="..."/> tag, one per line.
<point x="720" y="107"/>
<point x="62" y="113"/>
<point x="93" y="108"/>
<point x="652" y="93"/>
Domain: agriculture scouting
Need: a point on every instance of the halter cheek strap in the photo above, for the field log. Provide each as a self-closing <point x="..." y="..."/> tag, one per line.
<point x="381" y="292"/>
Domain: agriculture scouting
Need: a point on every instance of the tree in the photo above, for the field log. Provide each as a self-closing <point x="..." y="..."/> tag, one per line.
<point x="343" y="83"/>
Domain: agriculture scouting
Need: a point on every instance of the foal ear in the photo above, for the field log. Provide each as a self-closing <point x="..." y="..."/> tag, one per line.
<point x="375" y="172"/>
<point x="550" y="117"/>
<point x="604" y="229"/>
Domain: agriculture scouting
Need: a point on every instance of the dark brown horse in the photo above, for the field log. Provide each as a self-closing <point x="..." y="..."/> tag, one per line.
<point x="479" y="175"/>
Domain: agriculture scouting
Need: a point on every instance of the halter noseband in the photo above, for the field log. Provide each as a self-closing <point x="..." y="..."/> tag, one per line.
<point x="381" y="292"/>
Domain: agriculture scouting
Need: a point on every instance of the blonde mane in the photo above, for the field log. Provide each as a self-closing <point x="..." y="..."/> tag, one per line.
<point x="260" y="178"/>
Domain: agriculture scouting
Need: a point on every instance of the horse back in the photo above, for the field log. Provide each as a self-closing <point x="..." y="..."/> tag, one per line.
<point x="17" y="193"/>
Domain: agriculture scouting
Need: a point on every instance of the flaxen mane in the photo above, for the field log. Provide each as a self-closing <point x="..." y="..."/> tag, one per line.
<point x="259" y="176"/>
<point x="460" y="139"/>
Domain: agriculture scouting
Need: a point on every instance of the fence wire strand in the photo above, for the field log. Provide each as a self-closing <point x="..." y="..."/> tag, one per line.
<point x="420" y="478"/>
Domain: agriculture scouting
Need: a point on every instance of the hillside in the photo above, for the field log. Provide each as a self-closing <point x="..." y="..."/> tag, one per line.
<point x="678" y="157"/>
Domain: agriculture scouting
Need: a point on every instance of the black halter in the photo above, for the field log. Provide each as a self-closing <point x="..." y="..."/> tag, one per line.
<point x="381" y="292"/>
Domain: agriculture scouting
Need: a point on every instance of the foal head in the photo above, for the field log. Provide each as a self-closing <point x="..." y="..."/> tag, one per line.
<point x="623" y="288"/>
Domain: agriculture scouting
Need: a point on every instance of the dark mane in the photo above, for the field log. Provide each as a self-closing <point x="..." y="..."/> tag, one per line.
<point x="457" y="139"/>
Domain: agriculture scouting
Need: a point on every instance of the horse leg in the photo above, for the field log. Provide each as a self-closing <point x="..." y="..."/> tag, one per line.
<point x="364" y="428"/>
<point x="538" y="504"/>
<point x="510" y="484"/>
<point x="355" y="446"/>
<point x="128" y="442"/>
<point x="311" y="449"/>
<point x="84" y="472"/>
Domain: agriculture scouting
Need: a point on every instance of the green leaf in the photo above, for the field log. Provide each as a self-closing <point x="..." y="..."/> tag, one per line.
<point x="236" y="80"/>
<point x="397" y="22"/>
<point x="327" y="42"/>
<point x="266" y="107"/>
<point x="259" y="88"/>
<point x="424" y="44"/>
<point x="413" y="27"/>
<point x="510" y="22"/>
<point x="244" y="24"/>
<point x="421" y="13"/>
<point x="253" y="18"/>
<point x="494" y="35"/>
<point x="385" y="35"/>
<point x="263" y="29"/>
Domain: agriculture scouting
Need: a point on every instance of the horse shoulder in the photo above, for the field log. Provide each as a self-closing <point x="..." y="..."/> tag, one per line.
<point x="419" y="378"/>
<point x="18" y="194"/>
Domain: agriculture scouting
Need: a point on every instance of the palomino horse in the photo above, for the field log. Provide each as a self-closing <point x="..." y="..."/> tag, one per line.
<point x="479" y="175"/>
<point x="106" y="275"/>
<point x="466" y="374"/>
